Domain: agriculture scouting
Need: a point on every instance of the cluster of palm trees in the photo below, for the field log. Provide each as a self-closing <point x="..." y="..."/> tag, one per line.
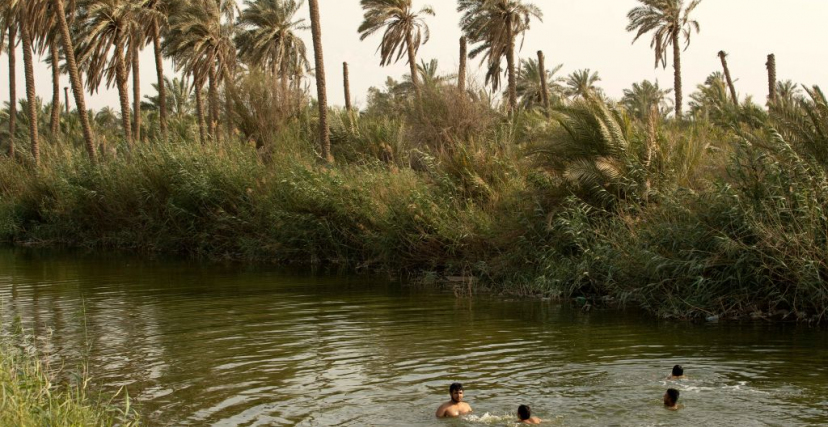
<point x="213" y="41"/>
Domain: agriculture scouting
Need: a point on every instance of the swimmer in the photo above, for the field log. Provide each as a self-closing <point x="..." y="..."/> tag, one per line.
<point x="677" y="374"/>
<point x="454" y="407"/>
<point x="525" y="415"/>
<point x="671" y="397"/>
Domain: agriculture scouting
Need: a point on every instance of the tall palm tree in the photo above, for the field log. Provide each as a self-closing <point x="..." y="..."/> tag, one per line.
<point x="153" y="20"/>
<point x="45" y="35"/>
<point x="321" y="90"/>
<point x="200" y="42"/>
<point x="269" y="38"/>
<point x="24" y="14"/>
<point x="74" y="75"/>
<point x="529" y="87"/>
<point x="7" y="24"/>
<point x="405" y="31"/>
<point x="104" y="24"/>
<point x="669" y="21"/>
<point x="642" y="97"/>
<point x="494" y="25"/>
<point x="581" y="84"/>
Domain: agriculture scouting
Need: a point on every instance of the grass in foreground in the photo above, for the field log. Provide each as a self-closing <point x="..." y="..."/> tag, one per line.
<point x="32" y="396"/>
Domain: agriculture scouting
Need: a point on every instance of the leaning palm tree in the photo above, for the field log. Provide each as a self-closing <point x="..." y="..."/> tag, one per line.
<point x="669" y="21"/>
<point x="321" y="90"/>
<point x="494" y="25"/>
<point x="74" y="75"/>
<point x="45" y="35"/>
<point x="103" y="24"/>
<point x="405" y="31"/>
<point x="529" y="89"/>
<point x="269" y="38"/>
<point x="581" y="84"/>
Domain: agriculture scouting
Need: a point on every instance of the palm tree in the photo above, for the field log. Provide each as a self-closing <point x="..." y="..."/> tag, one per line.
<point x="581" y="84"/>
<point x="494" y="25"/>
<point x="45" y="34"/>
<point x="153" y="19"/>
<point x="269" y="39"/>
<point x="530" y="88"/>
<point x="7" y="24"/>
<point x="640" y="100"/>
<point x="669" y="21"/>
<point x="771" y="65"/>
<point x="405" y="31"/>
<point x="723" y="58"/>
<point x="200" y="41"/>
<point x="74" y="75"/>
<point x="321" y="90"/>
<point x="104" y="24"/>
<point x="24" y="14"/>
<point x="788" y="92"/>
<point x="461" y="72"/>
<point x="711" y="98"/>
<point x="179" y="98"/>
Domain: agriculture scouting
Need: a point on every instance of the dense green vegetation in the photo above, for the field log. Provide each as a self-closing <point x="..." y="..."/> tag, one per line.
<point x="715" y="212"/>
<point x="35" y="395"/>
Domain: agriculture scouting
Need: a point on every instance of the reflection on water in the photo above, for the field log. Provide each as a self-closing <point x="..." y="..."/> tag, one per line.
<point x="227" y="346"/>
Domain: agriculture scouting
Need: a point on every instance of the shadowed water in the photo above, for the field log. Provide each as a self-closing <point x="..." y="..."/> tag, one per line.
<point x="236" y="346"/>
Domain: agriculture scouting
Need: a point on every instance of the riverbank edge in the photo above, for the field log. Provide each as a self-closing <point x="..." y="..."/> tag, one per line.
<point x="683" y="255"/>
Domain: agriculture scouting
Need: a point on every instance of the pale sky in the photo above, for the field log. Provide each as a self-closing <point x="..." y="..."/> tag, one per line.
<point x="577" y="33"/>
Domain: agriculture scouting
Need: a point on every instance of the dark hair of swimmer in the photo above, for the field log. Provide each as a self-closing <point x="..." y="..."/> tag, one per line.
<point x="673" y="394"/>
<point x="455" y="386"/>
<point x="524" y="412"/>
<point x="678" y="371"/>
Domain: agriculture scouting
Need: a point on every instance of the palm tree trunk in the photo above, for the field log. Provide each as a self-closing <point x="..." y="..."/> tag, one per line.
<point x="543" y="84"/>
<point x="54" y="125"/>
<point x="510" y="63"/>
<point x="74" y="76"/>
<point x="461" y="73"/>
<point x="66" y="99"/>
<point x="200" y="110"/>
<point x="412" y="65"/>
<point x="677" y="74"/>
<point x="28" y="62"/>
<point x="159" y="71"/>
<point x="136" y="92"/>
<point x="213" y="102"/>
<point x="321" y="90"/>
<point x="12" y="89"/>
<point x="123" y="89"/>
<point x="723" y="57"/>
<point x="346" y="82"/>
<point x="771" y="64"/>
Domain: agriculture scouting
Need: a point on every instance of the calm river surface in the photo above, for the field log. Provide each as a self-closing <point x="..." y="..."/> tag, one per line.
<point x="238" y="346"/>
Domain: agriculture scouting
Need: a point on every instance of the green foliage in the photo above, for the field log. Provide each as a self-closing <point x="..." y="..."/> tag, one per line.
<point x="34" y="395"/>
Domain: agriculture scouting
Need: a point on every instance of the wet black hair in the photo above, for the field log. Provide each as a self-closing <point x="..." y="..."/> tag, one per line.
<point x="524" y="412"/>
<point x="678" y="371"/>
<point x="674" y="395"/>
<point x="455" y="386"/>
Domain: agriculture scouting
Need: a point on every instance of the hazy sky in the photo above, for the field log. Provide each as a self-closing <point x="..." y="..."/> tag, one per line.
<point x="577" y="33"/>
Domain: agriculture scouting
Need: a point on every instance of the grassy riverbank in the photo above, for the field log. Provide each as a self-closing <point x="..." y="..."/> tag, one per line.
<point x="722" y="215"/>
<point x="32" y="395"/>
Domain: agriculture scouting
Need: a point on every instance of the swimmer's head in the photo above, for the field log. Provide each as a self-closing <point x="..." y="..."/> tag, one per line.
<point x="678" y="371"/>
<point x="456" y="392"/>
<point x="524" y="412"/>
<point x="671" y="397"/>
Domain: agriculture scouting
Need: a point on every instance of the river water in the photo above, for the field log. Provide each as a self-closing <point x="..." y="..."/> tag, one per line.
<point x="244" y="346"/>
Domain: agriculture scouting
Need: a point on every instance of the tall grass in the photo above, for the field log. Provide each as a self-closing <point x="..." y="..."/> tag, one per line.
<point x="33" y="394"/>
